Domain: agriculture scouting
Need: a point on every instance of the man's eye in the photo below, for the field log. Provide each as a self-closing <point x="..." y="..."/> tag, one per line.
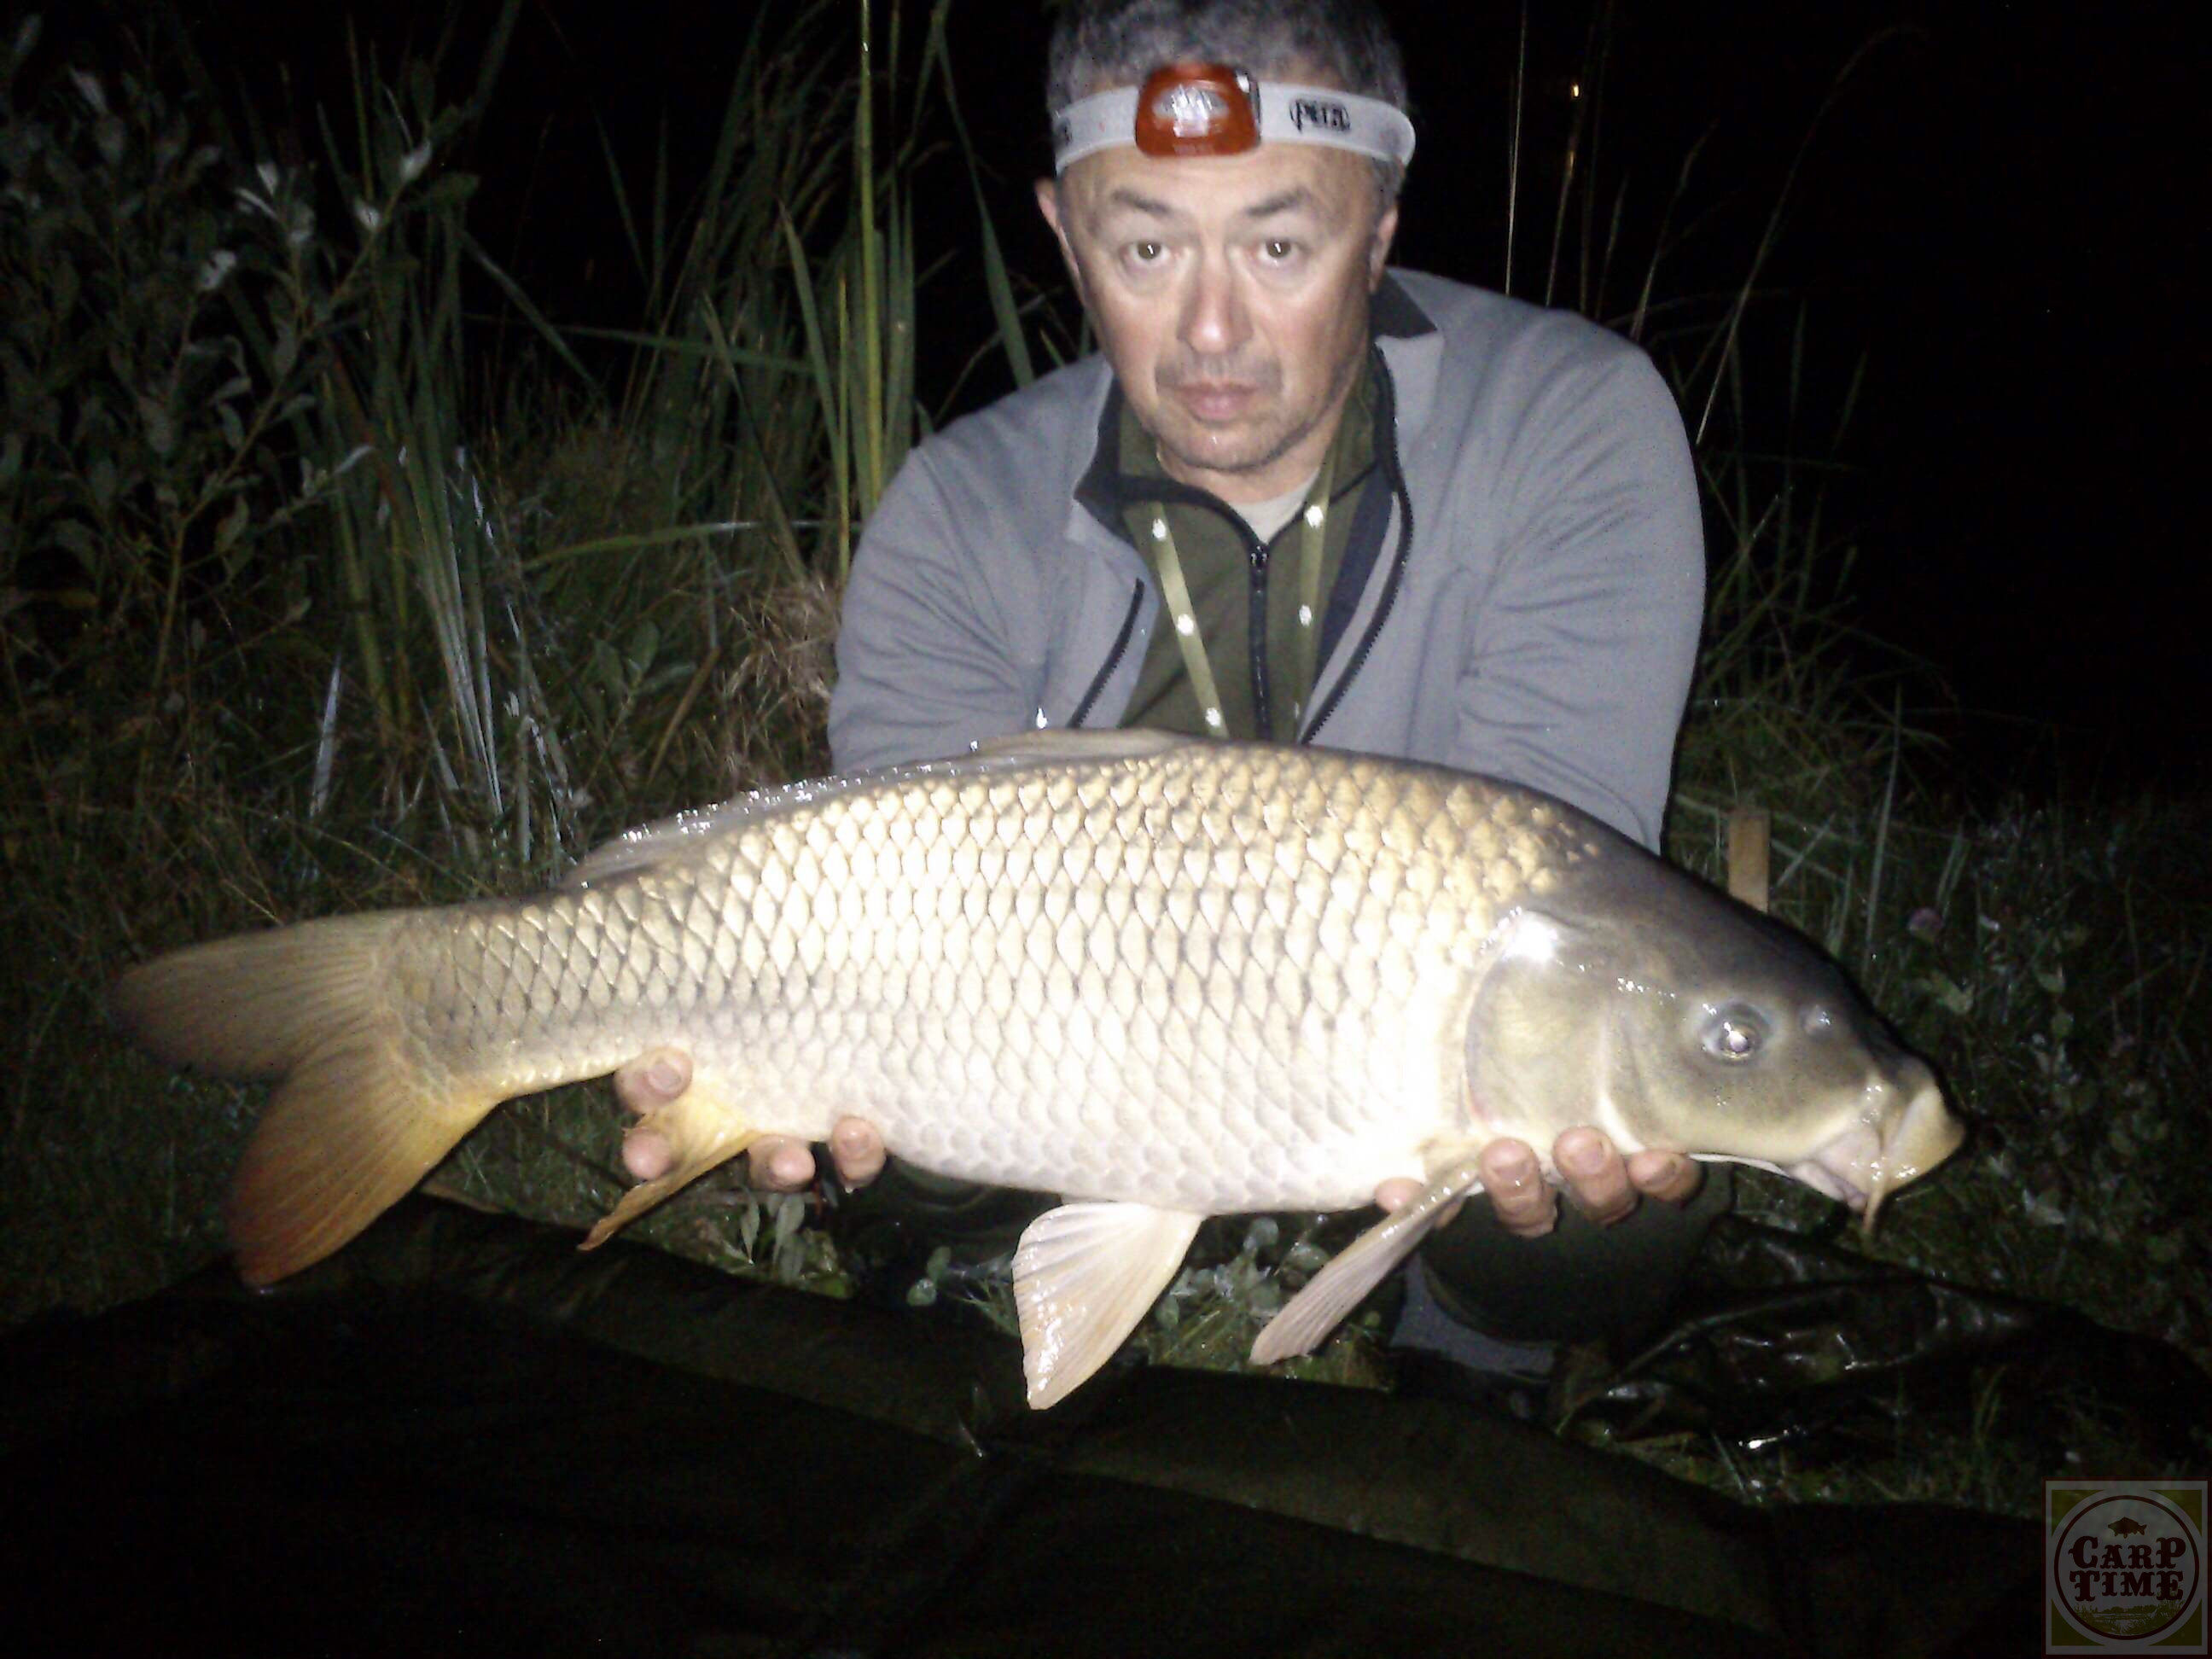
<point x="1277" y="251"/>
<point x="1145" y="254"/>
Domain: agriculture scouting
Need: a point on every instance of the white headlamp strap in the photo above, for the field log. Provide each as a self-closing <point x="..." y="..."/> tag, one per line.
<point x="1210" y="109"/>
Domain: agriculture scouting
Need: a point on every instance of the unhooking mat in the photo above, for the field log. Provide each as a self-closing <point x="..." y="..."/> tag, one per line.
<point x="462" y="1435"/>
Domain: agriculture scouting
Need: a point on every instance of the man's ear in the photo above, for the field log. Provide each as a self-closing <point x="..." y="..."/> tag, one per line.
<point x="1378" y="249"/>
<point x="1048" y="203"/>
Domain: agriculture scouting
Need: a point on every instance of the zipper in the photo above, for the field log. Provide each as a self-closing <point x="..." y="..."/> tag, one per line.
<point x="1113" y="658"/>
<point x="1255" y="640"/>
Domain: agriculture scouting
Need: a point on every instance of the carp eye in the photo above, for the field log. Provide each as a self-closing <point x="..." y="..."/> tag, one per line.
<point x="1735" y="1036"/>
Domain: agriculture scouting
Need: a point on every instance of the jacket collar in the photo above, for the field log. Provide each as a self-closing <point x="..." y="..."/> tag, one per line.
<point x="1413" y="348"/>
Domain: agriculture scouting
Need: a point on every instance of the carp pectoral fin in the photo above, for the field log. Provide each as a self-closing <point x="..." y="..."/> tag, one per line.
<point x="1084" y="1275"/>
<point x="702" y="1129"/>
<point x="1341" y="1286"/>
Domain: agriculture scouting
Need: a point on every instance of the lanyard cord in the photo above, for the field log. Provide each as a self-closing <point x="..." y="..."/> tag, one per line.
<point x="1312" y="535"/>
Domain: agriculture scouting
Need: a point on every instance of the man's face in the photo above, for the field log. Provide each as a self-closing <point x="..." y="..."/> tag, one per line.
<point x="1230" y="295"/>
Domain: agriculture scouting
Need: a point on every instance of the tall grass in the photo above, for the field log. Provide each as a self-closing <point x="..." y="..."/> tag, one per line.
<point x="303" y="614"/>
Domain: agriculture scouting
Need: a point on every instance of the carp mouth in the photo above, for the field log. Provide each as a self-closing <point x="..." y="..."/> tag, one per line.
<point x="1880" y="1153"/>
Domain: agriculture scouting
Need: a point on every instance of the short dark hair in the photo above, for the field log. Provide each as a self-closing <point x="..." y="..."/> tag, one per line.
<point x="1098" y="44"/>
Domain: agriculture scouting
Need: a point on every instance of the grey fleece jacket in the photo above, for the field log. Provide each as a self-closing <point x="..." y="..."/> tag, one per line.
<point x="1538" y="625"/>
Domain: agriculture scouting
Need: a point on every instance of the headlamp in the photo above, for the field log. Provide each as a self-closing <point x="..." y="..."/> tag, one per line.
<point x="1214" y="109"/>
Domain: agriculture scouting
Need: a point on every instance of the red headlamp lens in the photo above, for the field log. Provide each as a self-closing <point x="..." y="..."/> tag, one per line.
<point x="1197" y="109"/>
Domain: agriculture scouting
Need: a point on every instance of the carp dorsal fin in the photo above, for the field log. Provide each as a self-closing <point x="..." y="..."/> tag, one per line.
<point x="1049" y="744"/>
<point x="1084" y="1275"/>
<point x="1341" y="1285"/>
<point x="651" y="843"/>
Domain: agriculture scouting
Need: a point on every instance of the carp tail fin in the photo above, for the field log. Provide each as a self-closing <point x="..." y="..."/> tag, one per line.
<point x="357" y="1119"/>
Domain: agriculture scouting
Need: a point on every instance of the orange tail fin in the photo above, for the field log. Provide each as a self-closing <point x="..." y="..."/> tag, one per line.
<point x="356" y="1120"/>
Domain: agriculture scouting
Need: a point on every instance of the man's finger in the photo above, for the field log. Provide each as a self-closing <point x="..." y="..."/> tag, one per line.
<point x="857" y="1151"/>
<point x="780" y="1164"/>
<point x="1595" y="1175"/>
<point x="1398" y="1192"/>
<point x="647" y="1154"/>
<point x="643" y="1086"/>
<point x="1525" y="1202"/>
<point x="653" y="1079"/>
<point x="1667" y="1175"/>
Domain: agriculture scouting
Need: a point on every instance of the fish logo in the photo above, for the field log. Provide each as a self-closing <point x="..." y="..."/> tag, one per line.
<point x="2124" y="1568"/>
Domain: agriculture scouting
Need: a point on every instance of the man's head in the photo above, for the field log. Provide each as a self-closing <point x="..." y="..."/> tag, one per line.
<point x="1229" y="291"/>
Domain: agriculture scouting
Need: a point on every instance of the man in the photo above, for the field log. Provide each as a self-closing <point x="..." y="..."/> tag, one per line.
<point x="1303" y="499"/>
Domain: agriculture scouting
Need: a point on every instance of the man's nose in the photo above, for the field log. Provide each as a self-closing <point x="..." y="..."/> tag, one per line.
<point x="1213" y="320"/>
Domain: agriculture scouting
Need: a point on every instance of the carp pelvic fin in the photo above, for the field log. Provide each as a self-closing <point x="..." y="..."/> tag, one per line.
<point x="1084" y="1275"/>
<point x="1341" y="1285"/>
<point x="703" y="1130"/>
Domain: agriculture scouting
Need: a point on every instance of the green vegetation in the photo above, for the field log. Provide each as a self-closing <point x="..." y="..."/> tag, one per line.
<point x="320" y="589"/>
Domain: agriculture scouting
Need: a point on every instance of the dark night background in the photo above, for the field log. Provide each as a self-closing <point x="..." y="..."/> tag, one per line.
<point x="1995" y="213"/>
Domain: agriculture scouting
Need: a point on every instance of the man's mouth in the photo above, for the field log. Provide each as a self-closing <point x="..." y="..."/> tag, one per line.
<point x="1215" y="400"/>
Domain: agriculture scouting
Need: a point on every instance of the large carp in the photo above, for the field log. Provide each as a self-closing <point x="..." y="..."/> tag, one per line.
<point x="1164" y="978"/>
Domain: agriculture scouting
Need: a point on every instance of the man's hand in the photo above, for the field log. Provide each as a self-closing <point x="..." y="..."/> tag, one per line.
<point x="1604" y="1186"/>
<point x="779" y="1164"/>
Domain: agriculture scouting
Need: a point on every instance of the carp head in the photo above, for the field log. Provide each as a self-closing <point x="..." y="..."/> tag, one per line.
<point x="1628" y="995"/>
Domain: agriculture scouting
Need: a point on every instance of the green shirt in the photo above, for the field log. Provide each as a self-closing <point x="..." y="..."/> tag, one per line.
<point x="1215" y="547"/>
